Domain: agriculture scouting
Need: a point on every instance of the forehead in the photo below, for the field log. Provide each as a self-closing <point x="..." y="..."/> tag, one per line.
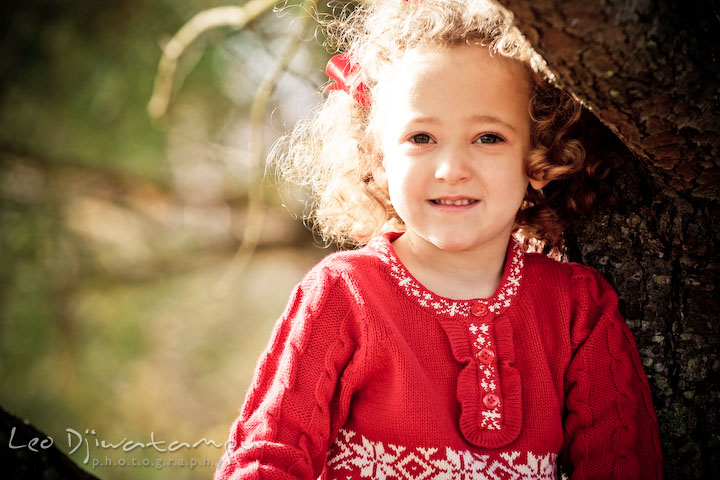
<point x="463" y="73"/>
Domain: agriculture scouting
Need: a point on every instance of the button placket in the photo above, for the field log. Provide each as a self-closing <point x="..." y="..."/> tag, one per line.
<point x="486" y="359"/>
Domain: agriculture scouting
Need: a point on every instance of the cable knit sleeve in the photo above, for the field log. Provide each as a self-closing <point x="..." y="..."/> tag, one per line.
<point x="611" y="431"/>
<point x="301" y="388"/>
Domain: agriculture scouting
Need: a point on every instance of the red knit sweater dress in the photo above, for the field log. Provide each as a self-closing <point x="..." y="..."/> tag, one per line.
<point x="370" y="375"/>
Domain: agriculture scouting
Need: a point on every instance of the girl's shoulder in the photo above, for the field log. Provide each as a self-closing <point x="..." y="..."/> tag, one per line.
<point x="585" y="288"/>
<point x="329" y="292"/>
<point x="344" y="272"/>
<point x="583" y="297"/>
<point x="347" y="263"/>
<point x="569" y="272"/>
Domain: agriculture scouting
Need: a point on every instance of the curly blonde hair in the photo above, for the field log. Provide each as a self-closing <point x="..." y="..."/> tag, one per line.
<point x="334" y="151"/>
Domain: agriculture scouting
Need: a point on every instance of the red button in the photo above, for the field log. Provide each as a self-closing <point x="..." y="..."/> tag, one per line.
<point x="490" y="400"/>
<point x="479" y="309"/>
<point x="486" y="356"/>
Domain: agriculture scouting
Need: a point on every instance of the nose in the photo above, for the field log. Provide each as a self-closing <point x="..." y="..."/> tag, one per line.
<point x="452" y="166"/>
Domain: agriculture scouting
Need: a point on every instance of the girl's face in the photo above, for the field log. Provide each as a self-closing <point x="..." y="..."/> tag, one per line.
<point x="454" y="131"/>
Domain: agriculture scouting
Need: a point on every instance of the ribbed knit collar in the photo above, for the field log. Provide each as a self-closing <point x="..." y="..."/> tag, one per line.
<point x="497" y="304"/>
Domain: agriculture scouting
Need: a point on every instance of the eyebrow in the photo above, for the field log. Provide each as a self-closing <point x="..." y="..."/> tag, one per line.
<point x="471" y="118"/>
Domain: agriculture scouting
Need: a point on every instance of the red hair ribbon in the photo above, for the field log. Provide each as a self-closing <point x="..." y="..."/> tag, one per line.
<point x="345" y="75"/>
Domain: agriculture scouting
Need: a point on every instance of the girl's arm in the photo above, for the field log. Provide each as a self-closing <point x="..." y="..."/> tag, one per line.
<point x="611" y="431"/>
<point x="301" y="389"/>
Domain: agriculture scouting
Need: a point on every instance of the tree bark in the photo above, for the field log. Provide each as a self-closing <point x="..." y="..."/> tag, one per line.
<point x="649" y="72"/>
<point x="18" y="460"/>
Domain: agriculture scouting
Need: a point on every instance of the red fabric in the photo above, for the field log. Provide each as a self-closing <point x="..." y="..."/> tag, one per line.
<point x="369" y="375"/>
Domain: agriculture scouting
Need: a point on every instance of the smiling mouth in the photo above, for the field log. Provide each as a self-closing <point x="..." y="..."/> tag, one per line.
<point x="461" y="202"/>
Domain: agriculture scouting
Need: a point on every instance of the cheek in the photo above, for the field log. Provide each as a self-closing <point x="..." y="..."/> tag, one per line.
<point x="509" y="186"/>
<point x="397" y="189"/>
<point x="398" y="178"/>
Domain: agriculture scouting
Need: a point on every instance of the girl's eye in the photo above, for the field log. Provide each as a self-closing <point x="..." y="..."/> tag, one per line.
<point x="489" y="138"/>
<point x="421" y="138"/>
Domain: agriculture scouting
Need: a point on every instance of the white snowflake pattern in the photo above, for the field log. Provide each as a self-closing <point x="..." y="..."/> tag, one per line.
<point x="354" y="456"/>
<point x="491" y="419"/>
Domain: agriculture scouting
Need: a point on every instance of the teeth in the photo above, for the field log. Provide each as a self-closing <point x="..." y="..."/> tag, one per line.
<point x="464" y="201"/>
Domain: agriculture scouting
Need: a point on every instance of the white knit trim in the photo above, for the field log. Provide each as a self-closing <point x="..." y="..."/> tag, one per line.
<point x="354" y="456"/>
<point x="444" y="306"/>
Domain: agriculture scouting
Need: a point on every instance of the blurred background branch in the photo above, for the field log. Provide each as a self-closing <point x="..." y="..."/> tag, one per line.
<point x="227" y="16"/>
<point x="258" y="111"/>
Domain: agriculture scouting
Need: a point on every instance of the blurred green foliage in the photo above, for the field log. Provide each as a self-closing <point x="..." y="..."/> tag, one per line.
<point x="114" y="231"/>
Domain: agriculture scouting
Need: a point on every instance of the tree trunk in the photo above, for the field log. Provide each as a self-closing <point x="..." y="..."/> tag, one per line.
<point x="649" y="72"/>
<point x="28" y="454"/>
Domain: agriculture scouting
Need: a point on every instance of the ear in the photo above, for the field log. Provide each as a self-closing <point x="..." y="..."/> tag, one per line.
<point x="380" y="175"/>
<point x="538" y="184"/>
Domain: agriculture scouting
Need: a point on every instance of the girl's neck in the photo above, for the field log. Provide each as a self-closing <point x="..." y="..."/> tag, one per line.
<point x="458" y="275"/>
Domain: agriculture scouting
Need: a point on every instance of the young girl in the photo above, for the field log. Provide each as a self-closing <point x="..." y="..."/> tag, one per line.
<point x="440" y="349"/>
